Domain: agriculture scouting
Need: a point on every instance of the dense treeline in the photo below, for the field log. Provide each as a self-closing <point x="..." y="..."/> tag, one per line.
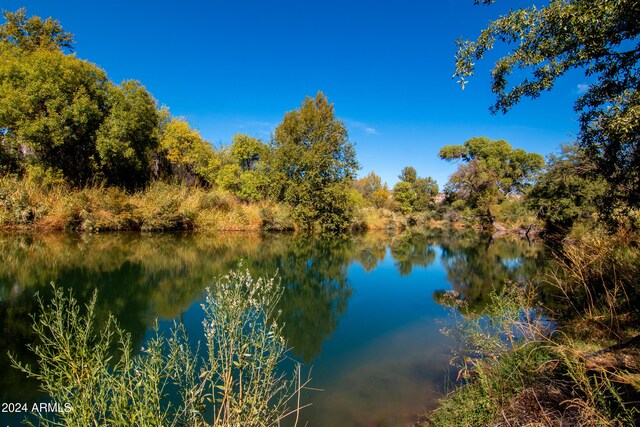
<point x="63" y="122"/>
<point x="65" y="129"/>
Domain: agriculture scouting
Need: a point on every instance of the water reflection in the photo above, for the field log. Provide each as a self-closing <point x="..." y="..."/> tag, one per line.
<point x="371" y="341"/>
<point x="476" y="266"/>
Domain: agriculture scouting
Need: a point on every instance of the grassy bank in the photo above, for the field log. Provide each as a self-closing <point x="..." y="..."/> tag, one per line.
<point x="27" y="205"/>
<point x="577" y="365"/>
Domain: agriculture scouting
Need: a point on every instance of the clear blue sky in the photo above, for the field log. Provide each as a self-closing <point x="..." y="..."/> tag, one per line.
<point x="238" y="66"/>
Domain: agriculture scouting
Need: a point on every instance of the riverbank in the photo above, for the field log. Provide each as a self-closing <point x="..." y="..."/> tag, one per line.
<point x="584" y="370"/>
<point x="30" y="206"/>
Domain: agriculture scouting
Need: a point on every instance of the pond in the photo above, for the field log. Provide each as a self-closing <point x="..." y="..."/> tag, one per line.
<point x="363" y="312"/>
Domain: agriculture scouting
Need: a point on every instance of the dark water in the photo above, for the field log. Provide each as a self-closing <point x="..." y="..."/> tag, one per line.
<point x="362" y="311"/>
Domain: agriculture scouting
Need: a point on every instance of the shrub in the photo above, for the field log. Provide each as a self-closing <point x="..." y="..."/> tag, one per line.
<point x="238" y="381"/>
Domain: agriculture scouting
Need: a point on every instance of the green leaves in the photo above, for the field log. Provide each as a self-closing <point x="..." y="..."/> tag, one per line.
<point x="51" y="106"/>
<point x="569" y="190"/>
<point x="34" y="33"/>
<point x="128" y="135"/>
<point x="312" y="161"/>
<point x="599" y="37"/>
<point x="491" y="171"/>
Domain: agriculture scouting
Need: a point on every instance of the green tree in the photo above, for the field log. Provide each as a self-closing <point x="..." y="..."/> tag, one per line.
<point x="568" y="191"/>
<point x="34" y="33"/>
<point x="404" y="196"/>
<point x="191" y="158"/>
<point x="248" y="151"/>
<point x="425" y="189"/>
<point x="128" y="135"/>
<point x="408" y="174"/>
<point x="491" y="171"/>
<point x="599" y="37"/>
<point x="313" y="164"/>
<point x="51" y="106"/>
<point x="369" y="186"/>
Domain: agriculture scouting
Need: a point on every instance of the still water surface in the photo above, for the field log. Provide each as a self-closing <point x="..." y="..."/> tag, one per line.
<point x="363" y="312"/>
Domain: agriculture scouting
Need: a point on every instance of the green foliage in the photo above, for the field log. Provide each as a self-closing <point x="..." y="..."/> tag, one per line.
<point x="34" y="33"/>
<point x="491" y="171"/>
<point x="51" y="106"/>
<point x="229" y="177"/>
<point x="244" y="174"/>
<point x="414" y="193"/>
<point x="408" y="174"/>
<point x="191" y="158"/>
<point x="312" y="164"/>
<point x="568" y="191"/>
<point x="128" y="135"/>
<point x="404" y="196"/>
<point x="248" y="151"/>
<point x="600" y="38"/>
<point x="426" y="190"/>
<point x="237" y="379"/>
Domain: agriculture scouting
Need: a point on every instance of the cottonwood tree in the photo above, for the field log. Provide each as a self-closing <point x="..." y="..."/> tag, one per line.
<point x="51" y="106"/>
<point x="490" y="171"/>
<point x="34" y="33"/>
<point x="128" y="135"/>
<point x="597" y="37"/>
<point x="312" y="165"/>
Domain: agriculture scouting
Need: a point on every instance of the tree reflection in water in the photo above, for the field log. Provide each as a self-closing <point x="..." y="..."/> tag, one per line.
<point x="141" y="277"/>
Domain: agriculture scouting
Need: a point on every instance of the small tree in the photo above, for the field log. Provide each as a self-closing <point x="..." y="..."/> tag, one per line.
<point x="248" y="151"/>
<point x="404" y="196"/>
<point x="128" y="135"/>
<point x="191" y="158"/>
<point x="425" y="189"/>
<point x="372" y="189"/>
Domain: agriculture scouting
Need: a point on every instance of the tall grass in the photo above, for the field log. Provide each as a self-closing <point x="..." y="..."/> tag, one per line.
<point x="517" y="371"/>
<point x="596" y="283"/>
<point x="25" y="204"/>
<point x="235" y="379"/>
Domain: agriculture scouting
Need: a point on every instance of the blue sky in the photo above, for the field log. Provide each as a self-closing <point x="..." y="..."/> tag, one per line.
<point x="238" y="66"/>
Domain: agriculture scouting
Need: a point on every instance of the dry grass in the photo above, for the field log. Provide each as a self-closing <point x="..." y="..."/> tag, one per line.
<point x="573" y="376"/>
<point x="161" y="206"/>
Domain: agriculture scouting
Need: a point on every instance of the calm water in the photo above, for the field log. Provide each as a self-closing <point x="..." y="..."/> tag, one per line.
<point x="362" y="312"/>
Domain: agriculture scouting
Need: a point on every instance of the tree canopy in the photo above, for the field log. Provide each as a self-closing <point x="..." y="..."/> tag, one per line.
<point x="312" y="163"/>
<point x="568" y="191"/>
<point x="128" y="135"/>
<point x="51" y="107"/>
<point x="491" y="171"/>
<point x="599" y="37"/>
<point x="414" y="193"/>
<point x="34" y="33"/>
